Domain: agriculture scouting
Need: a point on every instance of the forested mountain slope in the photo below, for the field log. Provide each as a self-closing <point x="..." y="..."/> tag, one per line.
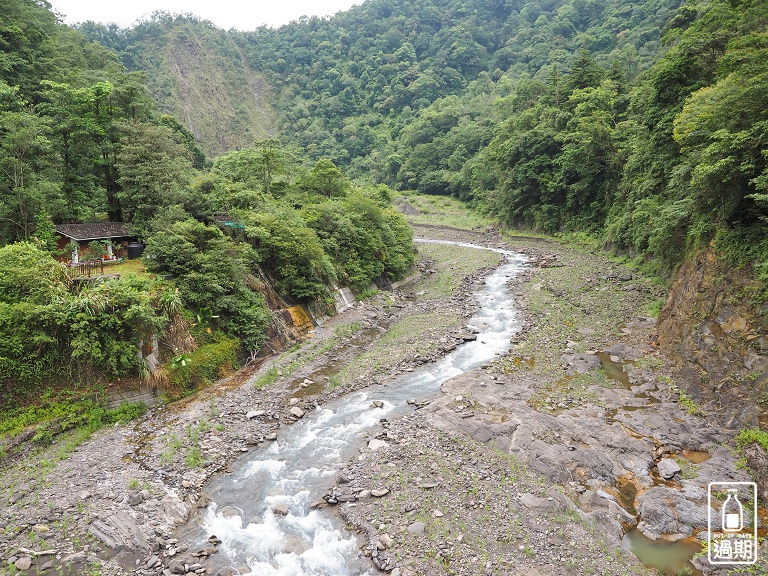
<point x="347" y="86"/>
<point x="554" y="115"/>
<point x="197" y="73"/>
<point x="226" y="242"/>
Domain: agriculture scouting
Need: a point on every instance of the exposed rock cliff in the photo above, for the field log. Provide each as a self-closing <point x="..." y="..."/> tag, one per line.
<point x="714" y="323"/>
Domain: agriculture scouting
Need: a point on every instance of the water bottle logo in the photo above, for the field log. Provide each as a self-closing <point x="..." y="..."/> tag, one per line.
<point x="733" y="512"/>
<point x="732" y="523"/>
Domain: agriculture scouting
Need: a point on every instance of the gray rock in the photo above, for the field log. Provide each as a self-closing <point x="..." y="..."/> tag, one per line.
<point x="254" y="414"/>
<point x="386" y="541"/>
<point x="624" y="352"/>
<point x="376" y="444"/>
<point x="135" y="499"/>
<point x="611" y="527"/>
<point x="416" y="528"/>
<point x="664" y="510"/>
<point x="176" y="567"/>
<point x="152" y="561"/>
<point x="271" y="437"/>
<point x="483" y="435"/>
<point x="173" y="510"/>
<point x="297" y="412"/>
<point x="120" y="530"/>
<point x="693" y="491"/>
<point x="603" y="494"/>
<point x="378" y="493"/>
<point x="227" y="512"/>
<point x="668" y="468"/>
<point x="377" y="404"/>
<point x="72" y="558"/>
<point x="23" y="563"/>
<point x="280" y="510"/>
<point x="533" y="502"/>
<point x="580" y="363"/>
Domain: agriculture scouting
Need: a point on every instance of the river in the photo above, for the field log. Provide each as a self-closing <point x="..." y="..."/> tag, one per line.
<point x="300" y="467"/>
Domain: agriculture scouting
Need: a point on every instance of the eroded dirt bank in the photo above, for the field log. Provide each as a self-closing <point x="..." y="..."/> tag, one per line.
<point x="537" y="464"/>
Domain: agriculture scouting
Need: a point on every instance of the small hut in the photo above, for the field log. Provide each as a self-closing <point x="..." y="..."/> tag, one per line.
<point x="115" y="237"/>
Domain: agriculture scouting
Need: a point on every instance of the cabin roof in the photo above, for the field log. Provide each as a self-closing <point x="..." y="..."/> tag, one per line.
<point x="94" y="231"/>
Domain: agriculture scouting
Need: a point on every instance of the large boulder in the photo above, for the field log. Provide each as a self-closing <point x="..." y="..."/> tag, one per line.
<point x="120" y="531"/>
<point x="668" y="468"/>
<point x="666" y="511"/>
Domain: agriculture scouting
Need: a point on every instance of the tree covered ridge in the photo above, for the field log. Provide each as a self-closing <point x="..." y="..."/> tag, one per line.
<point x="345" y="87"/>
<point x="555" y="115"/>
<point x="656" y="165"/>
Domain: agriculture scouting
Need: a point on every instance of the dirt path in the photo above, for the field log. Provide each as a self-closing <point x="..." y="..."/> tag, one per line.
<point x="535" y="465"/>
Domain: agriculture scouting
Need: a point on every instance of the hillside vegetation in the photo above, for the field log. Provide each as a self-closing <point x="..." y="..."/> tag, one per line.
<point x="641" y="123"/>
<point x="347" y="87"/>
<point x="198" y="74"/>
<point x="81" y="140"/>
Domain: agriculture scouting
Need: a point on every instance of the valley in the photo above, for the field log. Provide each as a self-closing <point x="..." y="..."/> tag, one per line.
<point x="538" y="461"/>
<point x="421" y="288"/>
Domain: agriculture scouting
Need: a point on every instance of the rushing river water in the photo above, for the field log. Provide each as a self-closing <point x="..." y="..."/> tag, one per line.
<point x="302" y="464"/>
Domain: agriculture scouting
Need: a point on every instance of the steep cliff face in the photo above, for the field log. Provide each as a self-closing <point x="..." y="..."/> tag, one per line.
<point x="198" y="73"/>
<point x="713" y="322"/>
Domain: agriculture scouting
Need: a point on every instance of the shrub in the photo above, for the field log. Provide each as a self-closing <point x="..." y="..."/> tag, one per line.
<point x="204" y="365"/>
<point x="210" y="271"/>
<point x="292" y="252"/>
<point x="53" y="328"/>
<point x="363" y="239"/>
<point x="752" y="436"/>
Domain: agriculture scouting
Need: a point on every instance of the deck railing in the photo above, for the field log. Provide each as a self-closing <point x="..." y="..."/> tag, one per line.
<point x="87" y="267"/>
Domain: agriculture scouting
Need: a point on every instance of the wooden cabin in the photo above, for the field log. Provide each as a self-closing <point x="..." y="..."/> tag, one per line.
<point x="115" y="236"/>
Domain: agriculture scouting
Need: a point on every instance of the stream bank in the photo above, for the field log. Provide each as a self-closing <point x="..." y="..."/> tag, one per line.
<point x="110" y="504"/>
<point x="584" y="413"/>
<point x="534" y="465"/>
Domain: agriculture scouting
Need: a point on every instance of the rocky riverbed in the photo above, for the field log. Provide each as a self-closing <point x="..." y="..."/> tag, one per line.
<point x="537" y="464"/>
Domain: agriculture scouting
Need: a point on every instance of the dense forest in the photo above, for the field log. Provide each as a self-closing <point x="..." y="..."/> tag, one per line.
<point x="81" y="140"/>
<point x="271" y="156"/>
<point x="642" y="123"/>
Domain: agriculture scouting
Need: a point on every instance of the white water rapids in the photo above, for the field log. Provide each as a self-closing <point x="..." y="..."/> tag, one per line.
<point x="302" y="464"/>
